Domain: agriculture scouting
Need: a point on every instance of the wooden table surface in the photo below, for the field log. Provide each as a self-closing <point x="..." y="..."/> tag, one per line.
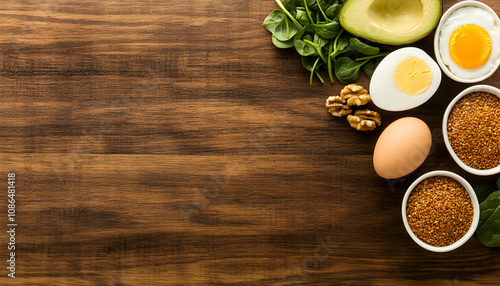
<point x="168" y="142"/>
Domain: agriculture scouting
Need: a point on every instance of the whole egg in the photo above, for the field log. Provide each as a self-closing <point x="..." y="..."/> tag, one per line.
<point x="401" y="148"/>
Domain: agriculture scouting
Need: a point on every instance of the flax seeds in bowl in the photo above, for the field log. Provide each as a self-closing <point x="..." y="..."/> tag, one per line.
<point x="440" y="211"/>
<point x="471" y="130"/>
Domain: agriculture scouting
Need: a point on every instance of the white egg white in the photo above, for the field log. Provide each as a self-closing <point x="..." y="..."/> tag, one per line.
<point x="383" y="89"/>
<point x="470" y="15"/>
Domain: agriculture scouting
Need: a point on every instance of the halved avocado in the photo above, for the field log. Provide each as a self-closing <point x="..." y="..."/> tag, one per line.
<point x="393" y="22"/>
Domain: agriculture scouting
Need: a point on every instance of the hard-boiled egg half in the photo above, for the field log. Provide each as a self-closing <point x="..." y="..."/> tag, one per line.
<point x="467" y="42"/>
<point x="404" y="79"/>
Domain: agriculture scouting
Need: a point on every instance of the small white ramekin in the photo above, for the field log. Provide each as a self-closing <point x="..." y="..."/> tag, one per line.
<point x="475" y="218"/>
<point x="439" y="59"/>
<point x="475" y="88"/>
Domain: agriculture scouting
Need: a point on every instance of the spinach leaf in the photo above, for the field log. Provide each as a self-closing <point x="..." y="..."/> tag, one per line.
<point x="343" y="43"/>
<point x="301" y="46"/>
<point x="321" y="6"/>
<point x="488" y="230"/>
<point x="312" y="64"/>
<point x="308" y="62"/>
<point x="273" y="19"/>
<point x="317" y="48"/>
<point x="327" y="30"/>
<point x="363" y="48"/>
<point x="302" y="17"/>
<point x="483" y="191"/>
<point x="333" y="11"/>
<point x="347" y="70"/>
<point x="308" y="11"/>
<point x="320" y="41"/>
<point x="285" y="30"/>
<point x="289" y="4"/>
<point x="312" y="27"/>
<point x="325" y="4"/>
<point x="283" y="45"/>
<point x="300" y="3"/>
<point x="340" y="45"/>
<point x="313" y="4"/>
<point x="371" y="65"/>
<point x="284" y="10"/>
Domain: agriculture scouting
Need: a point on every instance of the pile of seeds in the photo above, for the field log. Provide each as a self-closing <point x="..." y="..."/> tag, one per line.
<point x="473" y="130"/>
<point x="439" y="211"/>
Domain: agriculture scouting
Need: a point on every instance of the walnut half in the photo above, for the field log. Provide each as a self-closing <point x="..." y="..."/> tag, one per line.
<point x="364" y="120"/>
<point x="355" y="95"/>
<point x="337" y="107"/>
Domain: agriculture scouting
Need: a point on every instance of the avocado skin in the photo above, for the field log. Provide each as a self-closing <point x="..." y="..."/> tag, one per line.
<point x="375" y="40"/>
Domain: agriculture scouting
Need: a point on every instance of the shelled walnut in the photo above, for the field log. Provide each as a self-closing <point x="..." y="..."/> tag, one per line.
<point x="355" y="95"/>
<point x="364" y="120"/>
<point x="337" y="107"/>
<point x="351" y="95"/>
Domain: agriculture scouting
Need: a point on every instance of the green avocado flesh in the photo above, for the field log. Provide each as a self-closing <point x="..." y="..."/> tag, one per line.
<point x="393" y="22"/>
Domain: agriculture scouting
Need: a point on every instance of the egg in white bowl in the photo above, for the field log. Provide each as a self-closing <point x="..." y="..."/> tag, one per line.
<point x="467" y="42"/>
<point x="404" y="79"/>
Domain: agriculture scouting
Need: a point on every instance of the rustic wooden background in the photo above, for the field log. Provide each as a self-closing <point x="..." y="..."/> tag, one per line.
<point x="168" y="142"/>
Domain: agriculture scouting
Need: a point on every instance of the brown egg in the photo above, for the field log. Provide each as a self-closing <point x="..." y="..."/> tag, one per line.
<point x="401" y="148"/>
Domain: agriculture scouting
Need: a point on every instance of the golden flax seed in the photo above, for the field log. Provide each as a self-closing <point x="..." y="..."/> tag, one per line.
<point x="439" y="211"/>
<point x="473" y="130"/>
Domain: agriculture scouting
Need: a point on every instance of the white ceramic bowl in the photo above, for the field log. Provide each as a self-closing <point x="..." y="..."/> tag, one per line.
<point x="439" y="59"/>
<point x="475" y="218"/>
<point x="484" y="88"/>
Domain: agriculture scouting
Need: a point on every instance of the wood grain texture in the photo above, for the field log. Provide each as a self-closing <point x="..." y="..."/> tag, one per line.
<point x="167" y="142"/>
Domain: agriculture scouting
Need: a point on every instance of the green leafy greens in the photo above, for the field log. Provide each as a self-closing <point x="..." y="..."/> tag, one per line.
<point x="312" y="27"/>
<point x="488" y="229"/>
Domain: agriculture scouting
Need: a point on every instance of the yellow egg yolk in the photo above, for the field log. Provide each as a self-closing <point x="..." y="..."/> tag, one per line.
<point x="413" y="76"/>
<point x="470" y="46"/>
